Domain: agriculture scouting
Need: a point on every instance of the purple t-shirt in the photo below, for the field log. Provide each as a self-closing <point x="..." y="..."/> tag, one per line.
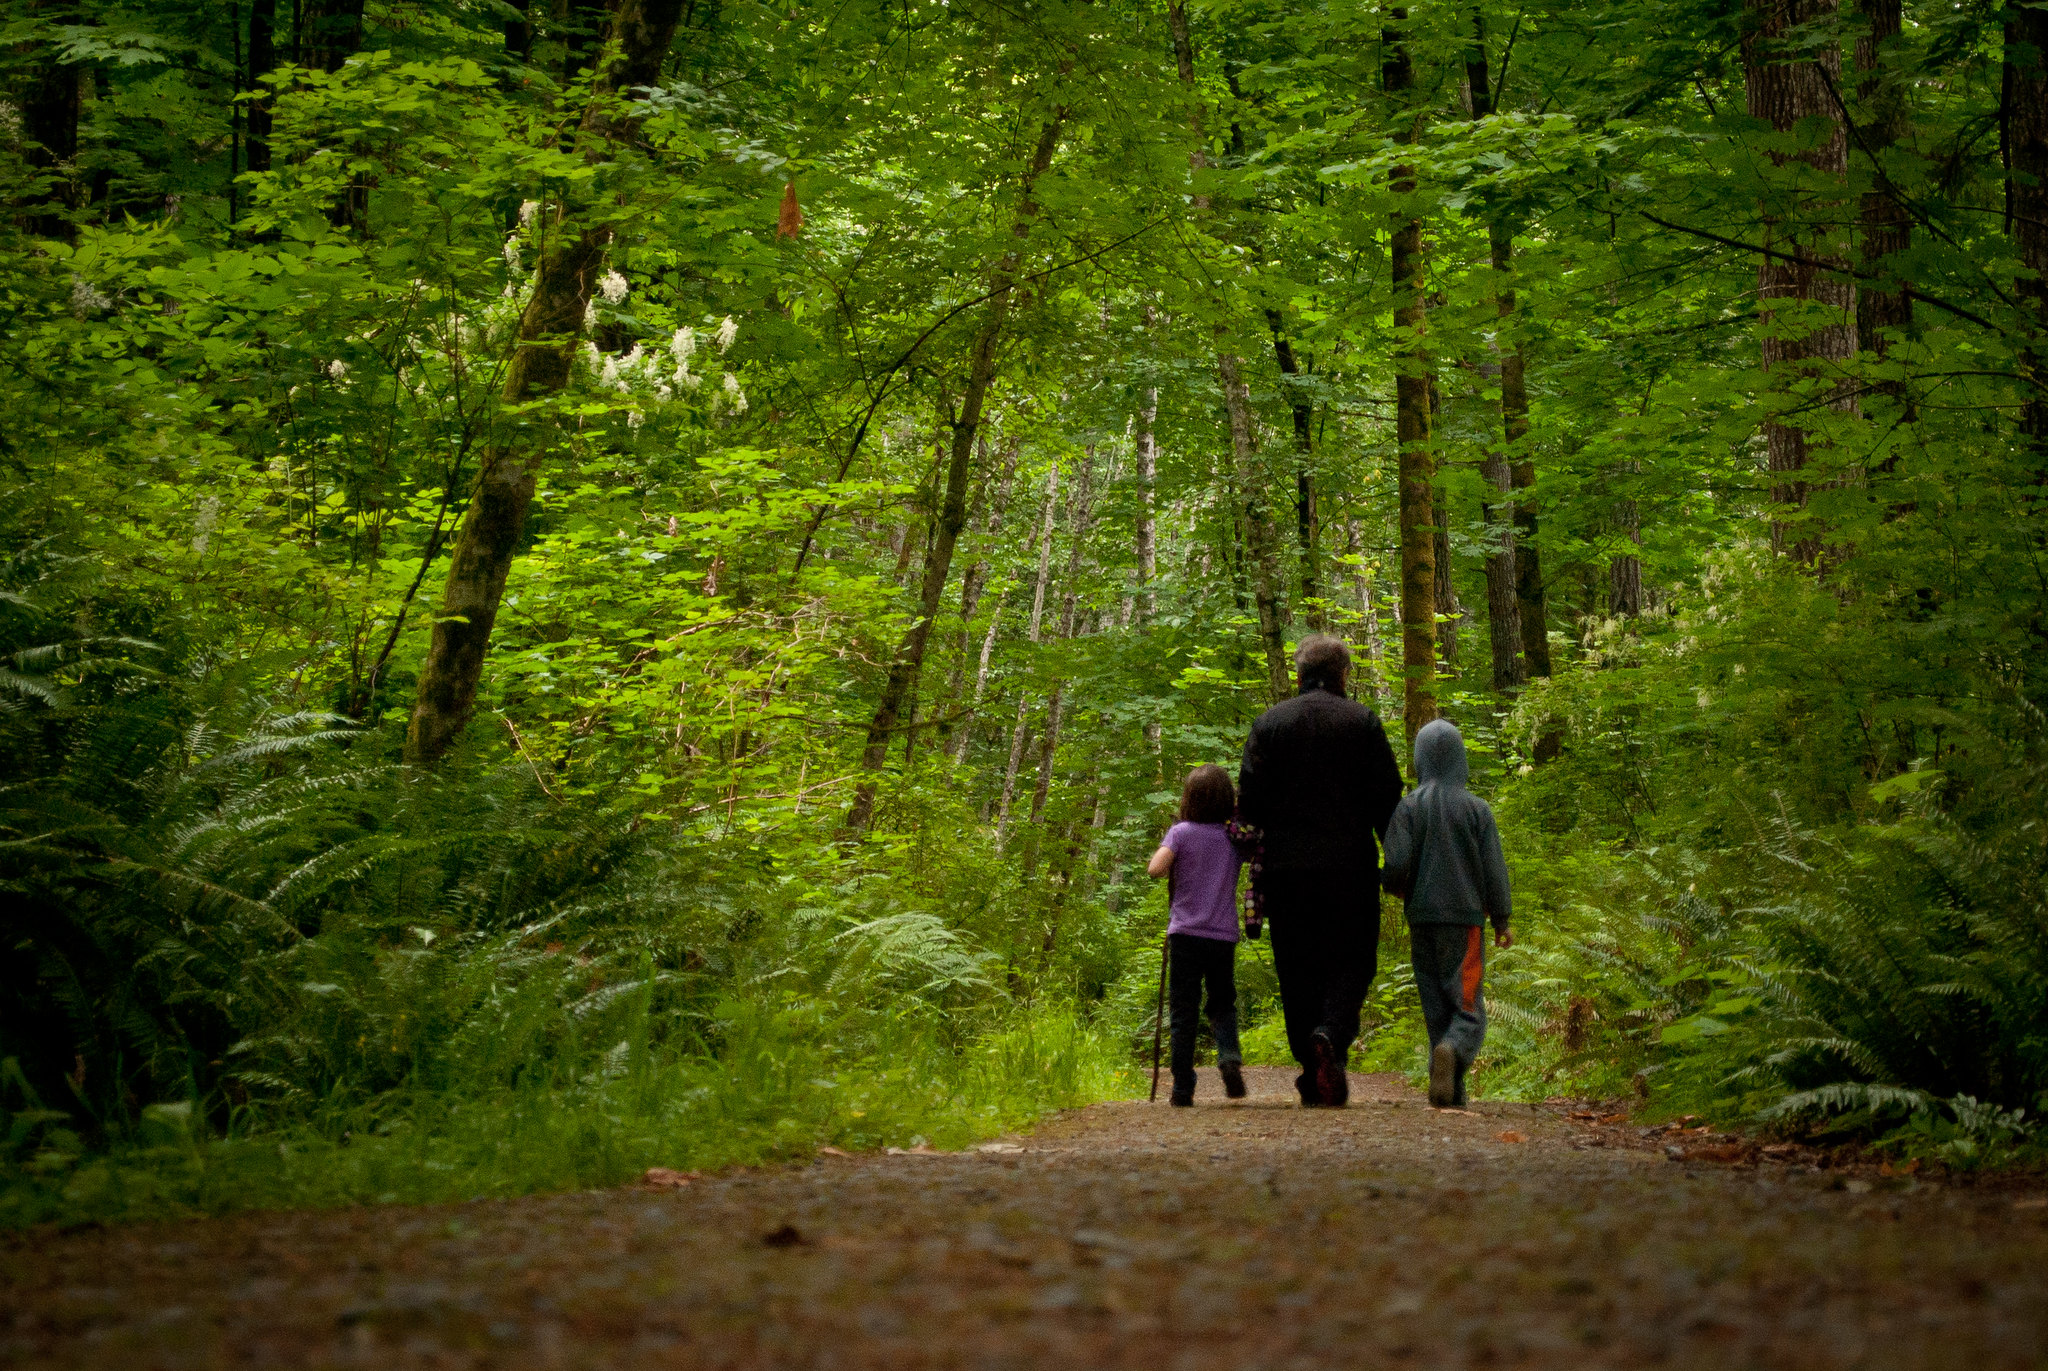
<point x="1204" y="876"/>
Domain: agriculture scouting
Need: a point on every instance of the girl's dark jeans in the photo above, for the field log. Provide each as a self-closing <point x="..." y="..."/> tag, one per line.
<point x="1192" y="964"/>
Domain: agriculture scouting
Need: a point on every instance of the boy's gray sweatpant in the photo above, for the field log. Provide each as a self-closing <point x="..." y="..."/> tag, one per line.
<point x="1450" y="964"/>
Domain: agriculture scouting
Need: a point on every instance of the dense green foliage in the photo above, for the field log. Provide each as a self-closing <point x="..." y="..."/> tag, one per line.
<point x="682" y="891"/>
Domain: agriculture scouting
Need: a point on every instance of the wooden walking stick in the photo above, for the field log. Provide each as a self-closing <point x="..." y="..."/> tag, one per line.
<point x="1158" y="1018"/>
<point x="1159" y="1014"/>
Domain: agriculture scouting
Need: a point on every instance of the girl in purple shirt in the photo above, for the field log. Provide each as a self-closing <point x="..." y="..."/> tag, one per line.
<point x="1201" y="934"/>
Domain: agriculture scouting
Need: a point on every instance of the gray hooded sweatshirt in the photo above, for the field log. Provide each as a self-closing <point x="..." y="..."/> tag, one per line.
<point x="1443" y="854"/>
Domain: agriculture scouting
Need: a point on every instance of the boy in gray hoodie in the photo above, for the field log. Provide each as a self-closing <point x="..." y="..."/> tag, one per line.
<point x="1443" y="859"/>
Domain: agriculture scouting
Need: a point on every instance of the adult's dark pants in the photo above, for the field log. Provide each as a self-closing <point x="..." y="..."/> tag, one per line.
<point x="1450" y="968"/>
<point x="1193" y="965"/>
<point x="1326" y="948"/>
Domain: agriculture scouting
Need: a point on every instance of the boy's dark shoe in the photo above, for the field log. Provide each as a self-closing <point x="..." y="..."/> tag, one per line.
<point x="1331" y="1082"/>
<point x="1181" y="1099"/>
<point x="1443" y="1076"/>
<point x="1233" y="1080"/>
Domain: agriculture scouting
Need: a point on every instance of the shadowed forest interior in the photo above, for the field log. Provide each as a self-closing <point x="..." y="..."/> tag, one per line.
<point x="589" y="586"/>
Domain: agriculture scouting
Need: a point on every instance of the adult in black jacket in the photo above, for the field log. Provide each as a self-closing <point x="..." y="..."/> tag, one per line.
<point x="1321" y="781"/>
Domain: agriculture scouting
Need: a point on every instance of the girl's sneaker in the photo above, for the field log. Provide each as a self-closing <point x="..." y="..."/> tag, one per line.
<point x="1233" y="1080"/>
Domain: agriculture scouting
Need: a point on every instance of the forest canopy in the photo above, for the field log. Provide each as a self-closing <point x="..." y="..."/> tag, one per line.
<point x="586" y="585"/>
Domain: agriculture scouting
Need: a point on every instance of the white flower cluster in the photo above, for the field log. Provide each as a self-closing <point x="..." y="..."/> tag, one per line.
<point x="639" y="372"/>
<point x="86" y="298"/>
<point x="202" y="525"/>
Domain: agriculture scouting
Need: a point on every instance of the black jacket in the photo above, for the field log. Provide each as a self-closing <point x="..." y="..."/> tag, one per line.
<point x="1320" y="779"/>
<point x="1443" y="848"/>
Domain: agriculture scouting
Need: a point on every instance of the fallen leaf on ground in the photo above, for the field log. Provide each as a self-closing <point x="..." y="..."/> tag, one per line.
<point x="663" y="1178"/>
<point x="1511" y="1135"/>
<point x="829" y="1151"/>
<point x="921" y="1150"/>
<point x="1717" y="1152"/>
<point x="2030" y="1204"/>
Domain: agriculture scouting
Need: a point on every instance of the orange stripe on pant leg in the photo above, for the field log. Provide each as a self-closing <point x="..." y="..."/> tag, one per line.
<point x="1475" y="962"/>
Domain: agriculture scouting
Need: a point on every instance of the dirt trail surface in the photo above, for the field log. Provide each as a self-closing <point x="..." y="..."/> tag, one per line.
<point x="1243" y="1235"/>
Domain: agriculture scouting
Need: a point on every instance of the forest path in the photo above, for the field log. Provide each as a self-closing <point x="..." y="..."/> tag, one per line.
<point x="1233" y="1235"/>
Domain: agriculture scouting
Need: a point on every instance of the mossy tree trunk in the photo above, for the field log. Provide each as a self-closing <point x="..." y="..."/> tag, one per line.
<point x="549" y="329"/>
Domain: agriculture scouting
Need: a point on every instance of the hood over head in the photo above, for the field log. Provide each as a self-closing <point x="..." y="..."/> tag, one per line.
<point x="1440" y="754"/>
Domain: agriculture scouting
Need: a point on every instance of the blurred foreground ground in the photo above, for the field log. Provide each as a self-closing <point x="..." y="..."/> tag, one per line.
<point x="1238" y="1235"/>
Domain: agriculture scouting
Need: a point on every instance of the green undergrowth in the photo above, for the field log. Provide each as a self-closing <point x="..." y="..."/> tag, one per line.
<point x="1782" y="891"/>
<point x="776" y="1091"/>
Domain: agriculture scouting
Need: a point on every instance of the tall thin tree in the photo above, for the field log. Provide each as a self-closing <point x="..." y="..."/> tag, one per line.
<point x="1792" y="71"/>
<point x="1499" y="508"/>
<point x="2023" y="146"/>
<point x="1411" y="402"/>
<point x="981" y="374"/>
<point x="1261" y="542"/>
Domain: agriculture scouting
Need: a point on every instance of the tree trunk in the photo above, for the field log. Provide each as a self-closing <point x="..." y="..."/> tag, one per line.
<point x="1148" y="541"/>
<point x="2024" y="147"/>
<point x="1514" y="407"/>
<point x="262" y="61"/>
<point x="1079" y="518"/>
<point x="939" y="560"/>
<point x="1625" y="572"/>
<point x="1411" y="413"/>
<point x="583" y="36"/>
<point x="988" y="647"/>
<point x="974" y="581"/>
<point x="1367" y="681"/>
<point x="333" y="33"/>
<point x="1625" y="586"/>
<point x="1786" y="85"/>
<point x="1148" y="489"/>
<point x="540" y="366"/>
<point x="519" y="31"/>
<point x="1034" y="627"/>
<point x="1887" y="228"/>
<point x="49" y="125"/>
<point x="1503" y="606"/>
<point x="1449" y="612"/>
<point x="1307" y="529"/>
<point x="1259" y="535"/>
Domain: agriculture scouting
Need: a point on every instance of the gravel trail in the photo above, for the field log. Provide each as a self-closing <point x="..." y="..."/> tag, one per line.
<point x="1237" y="1235"/>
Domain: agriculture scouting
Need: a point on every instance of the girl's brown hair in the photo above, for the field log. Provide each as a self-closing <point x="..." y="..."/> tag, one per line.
<point x="1207" y="797"/>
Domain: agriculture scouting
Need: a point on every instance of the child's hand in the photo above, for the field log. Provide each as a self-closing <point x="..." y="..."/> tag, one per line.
<point x="1503" y="939"/>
